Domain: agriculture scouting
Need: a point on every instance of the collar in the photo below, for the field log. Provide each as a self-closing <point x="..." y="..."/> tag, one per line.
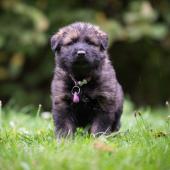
<point x="80" y="83"/>
<point x="77" y="88"/>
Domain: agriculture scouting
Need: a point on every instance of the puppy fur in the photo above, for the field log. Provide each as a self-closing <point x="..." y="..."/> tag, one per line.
<point x="101" y="99"/>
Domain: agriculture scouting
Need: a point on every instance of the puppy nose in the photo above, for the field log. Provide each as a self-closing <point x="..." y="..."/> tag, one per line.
<point x="81" y="53"/>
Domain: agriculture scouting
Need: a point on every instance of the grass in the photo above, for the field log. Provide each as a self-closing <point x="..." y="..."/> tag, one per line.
<point x="27" y="142"/>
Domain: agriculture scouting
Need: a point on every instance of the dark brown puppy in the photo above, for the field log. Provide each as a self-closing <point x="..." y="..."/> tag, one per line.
<point x="84" y="89"/>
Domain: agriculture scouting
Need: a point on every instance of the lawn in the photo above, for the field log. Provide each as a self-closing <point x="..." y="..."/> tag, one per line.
<point x="27" y="142"/>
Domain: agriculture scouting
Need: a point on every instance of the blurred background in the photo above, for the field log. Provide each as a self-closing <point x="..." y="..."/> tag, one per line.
<point x="139" y="46"/>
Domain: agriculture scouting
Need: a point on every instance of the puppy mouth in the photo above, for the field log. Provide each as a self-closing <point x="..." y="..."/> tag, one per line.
<point x="81" y="68"/>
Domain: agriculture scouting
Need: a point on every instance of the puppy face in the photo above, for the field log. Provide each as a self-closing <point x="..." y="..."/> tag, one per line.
<point x="79" y="47"/>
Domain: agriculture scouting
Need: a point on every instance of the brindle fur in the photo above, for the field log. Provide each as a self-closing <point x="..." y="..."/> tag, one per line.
<point x="101" y="99"/>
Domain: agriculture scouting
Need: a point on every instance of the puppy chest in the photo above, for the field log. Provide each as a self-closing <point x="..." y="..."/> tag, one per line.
<point x="84" y="112"/>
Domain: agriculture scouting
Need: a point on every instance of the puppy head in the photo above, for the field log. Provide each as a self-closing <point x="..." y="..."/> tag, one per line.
<point x="79" y="47"/>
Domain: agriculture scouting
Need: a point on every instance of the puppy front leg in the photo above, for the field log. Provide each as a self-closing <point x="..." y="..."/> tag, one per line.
<point x="64" y="125"/>
<point x="102" y="124"/>
<point x="64" y="122"/>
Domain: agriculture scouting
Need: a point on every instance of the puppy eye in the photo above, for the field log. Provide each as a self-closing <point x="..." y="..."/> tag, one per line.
<point x="73" y="41"/>
<point x="88" y="41"/>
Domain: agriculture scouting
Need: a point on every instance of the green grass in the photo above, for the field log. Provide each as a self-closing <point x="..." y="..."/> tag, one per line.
<point x="27" y="142"/>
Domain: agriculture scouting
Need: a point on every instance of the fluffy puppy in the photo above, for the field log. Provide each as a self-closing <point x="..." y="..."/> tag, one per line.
<point x="85" y="90"/>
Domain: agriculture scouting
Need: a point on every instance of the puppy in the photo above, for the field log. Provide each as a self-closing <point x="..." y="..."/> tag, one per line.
<point x="85" y="90"/>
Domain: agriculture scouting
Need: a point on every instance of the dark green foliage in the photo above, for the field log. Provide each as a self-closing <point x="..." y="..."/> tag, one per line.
<point x="139" y="45"/>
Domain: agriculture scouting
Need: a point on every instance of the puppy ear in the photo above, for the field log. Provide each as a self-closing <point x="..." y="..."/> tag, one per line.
<point x="104" y="41"/>
<point x="55" y="43"/>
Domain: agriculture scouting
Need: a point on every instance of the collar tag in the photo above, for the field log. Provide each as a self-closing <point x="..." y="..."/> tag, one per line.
<point x="75" y="92"/>
<point x="76" y="98"/>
